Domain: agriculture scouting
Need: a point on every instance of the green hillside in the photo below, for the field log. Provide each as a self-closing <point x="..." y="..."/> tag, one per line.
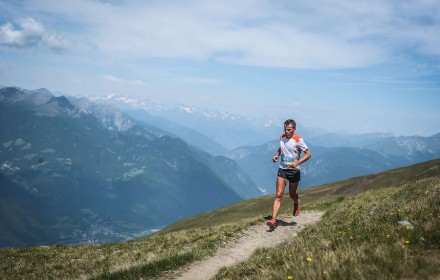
<point x="358" y="238"/>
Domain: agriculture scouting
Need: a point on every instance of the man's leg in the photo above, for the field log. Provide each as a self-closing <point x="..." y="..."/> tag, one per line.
<point x="294" y="195"/>
<point x="281" y="184"/>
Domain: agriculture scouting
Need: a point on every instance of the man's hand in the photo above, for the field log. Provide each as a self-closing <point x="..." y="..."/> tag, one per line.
<point x="294" y="164"/>
<point x="275" y="158"/>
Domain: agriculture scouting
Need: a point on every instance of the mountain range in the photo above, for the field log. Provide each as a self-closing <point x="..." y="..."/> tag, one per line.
<point x="252" y="143"/>
<point x="226" y="130"/>
<point x="73" y="171"/>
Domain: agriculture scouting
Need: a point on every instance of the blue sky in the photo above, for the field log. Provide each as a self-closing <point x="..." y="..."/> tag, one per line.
<point x="358" y="66"/>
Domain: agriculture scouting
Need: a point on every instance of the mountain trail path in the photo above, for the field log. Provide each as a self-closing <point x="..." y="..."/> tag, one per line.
<point x="241" y="248"/>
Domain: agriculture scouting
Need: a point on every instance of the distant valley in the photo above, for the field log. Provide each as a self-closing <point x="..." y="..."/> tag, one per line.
<point x="73" y="171"/>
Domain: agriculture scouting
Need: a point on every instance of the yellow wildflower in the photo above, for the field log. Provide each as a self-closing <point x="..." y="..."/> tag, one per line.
<point x="290" y="277"/>
<point x="309" y="259"/>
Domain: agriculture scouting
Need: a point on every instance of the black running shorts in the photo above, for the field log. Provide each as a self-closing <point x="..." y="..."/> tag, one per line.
<point x="293" y="175"/>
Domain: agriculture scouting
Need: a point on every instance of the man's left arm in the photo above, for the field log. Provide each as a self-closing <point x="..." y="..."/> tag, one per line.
<point x="306" y="157"/>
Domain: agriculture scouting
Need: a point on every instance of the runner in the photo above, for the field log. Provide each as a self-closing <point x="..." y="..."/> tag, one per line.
<point x="291" y="146"/>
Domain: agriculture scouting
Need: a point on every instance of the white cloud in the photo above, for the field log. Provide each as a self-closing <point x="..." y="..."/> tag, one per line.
<point x="55" y="42"/>
<point x="279" y="45"/>
<point x="30" y="34"/>
<point x="292" y="34"/>
<point x="113" y="79"/>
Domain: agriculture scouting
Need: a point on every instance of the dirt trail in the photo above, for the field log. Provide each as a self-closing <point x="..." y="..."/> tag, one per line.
<point x="258" y="236"/>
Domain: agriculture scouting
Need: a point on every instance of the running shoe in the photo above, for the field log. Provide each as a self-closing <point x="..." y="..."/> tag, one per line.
<point x="271" y="223"/>
<point x="296" y="209"/>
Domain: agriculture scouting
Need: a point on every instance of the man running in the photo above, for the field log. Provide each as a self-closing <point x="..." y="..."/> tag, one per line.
<point x="291" y="146"/>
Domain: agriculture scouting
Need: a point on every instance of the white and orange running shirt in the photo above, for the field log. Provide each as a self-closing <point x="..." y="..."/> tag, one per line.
<point x="291" y="149"/>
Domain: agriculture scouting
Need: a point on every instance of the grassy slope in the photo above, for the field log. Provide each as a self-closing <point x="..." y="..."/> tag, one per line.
<point x="358" y="237"/>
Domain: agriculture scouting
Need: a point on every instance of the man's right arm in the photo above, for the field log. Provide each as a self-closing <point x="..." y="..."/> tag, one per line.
<point x="277" y="154"/>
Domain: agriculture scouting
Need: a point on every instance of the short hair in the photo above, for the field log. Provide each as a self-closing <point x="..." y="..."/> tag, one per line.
<point x="290" y="121"/>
